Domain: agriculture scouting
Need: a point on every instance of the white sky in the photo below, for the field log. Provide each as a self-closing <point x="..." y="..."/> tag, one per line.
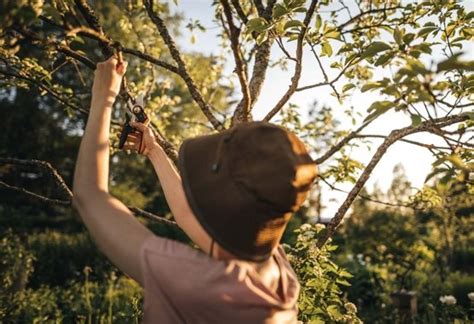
<point x="416" y="160"/>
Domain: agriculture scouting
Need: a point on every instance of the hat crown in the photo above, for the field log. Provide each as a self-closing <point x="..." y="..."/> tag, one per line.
<point x="267" y="160"/>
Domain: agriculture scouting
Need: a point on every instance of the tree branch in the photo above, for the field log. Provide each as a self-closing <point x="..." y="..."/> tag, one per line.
<point x="364" y="197"/>
<point x="262" y="59"/>
<point x="92" y="34"/>
<point x="243" y="110"/>
<point x="43" y="165"/>
<point x="194" y="91"/>
<point x="395" y="135"/>
<point x="46" y="166"/>
<point x="364" y="13"/>
<point x="31" y="194"/>
<point x="41" y="86"/>
<point x="240" y="11"/>
<point x="93" y="21"/>
<point x="341" y="143"/>
<point x="151" y="59"/>
<point x="428" y="146"/>
<point x="350" y="63"/>
<point x="298" y="65"/>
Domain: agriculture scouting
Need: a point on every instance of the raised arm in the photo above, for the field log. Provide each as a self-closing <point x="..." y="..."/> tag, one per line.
<point x="171" y="183"/>
<point x="116" y="231"/>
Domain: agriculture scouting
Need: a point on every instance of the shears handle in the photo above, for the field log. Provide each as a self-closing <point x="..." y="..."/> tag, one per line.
<point x="126" y="130"/>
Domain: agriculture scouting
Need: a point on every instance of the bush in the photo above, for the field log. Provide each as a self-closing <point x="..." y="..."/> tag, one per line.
<point x="116" y="300"/>
<point x="459" y="285"/>
<point x="61" y="257"/>
<point x="321" y="297"/>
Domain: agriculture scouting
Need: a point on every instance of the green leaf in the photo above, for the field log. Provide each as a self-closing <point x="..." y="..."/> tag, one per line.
<point x="294" y="23"/>
<point x="380" y="105"/>
<point x="423" y="47"/>
<point x="79" y="40"/>
<point x="318" y="22"/>
<point x="384" y="58"/>
<point x="441" y="85"/>
<point x="347" y="87"/>
<point x="456" y="161"/>
<point x="453" y="63"/>
<point x="317" y="321"/>
<point x="415" y="120"/>
<point x="261" y="38"/>
<point x="378" y="108"/>
<point x="371" y="85"/>
<point x="333" y="34"/>
<point x="416" y="66"/>
<point x="333" y="310"/>
<point x="408" y="38"/>
<point x="300" y="9"/>
<point x="346" y="274"/>
<point x="326" y="49"/>
<point x="397" y="35"/>
<point x="374" y="48"/>
<point x="424" y="32"/>
<point x="279" y="11"/>
<point x="257" y="24"/>
<point x="343" y="282"/>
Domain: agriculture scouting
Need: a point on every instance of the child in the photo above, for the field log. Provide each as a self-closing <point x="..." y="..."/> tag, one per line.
<point x="238" y="190"/>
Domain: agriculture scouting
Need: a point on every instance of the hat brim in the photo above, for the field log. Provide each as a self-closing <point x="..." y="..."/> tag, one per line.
<point x="227" y="211"/>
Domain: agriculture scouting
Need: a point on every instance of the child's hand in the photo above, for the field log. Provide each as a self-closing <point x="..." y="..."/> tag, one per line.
<point x="143" y="140"/>
<point x="107" y="79"/>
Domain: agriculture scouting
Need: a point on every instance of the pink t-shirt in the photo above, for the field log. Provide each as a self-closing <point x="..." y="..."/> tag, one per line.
<point x="184" y="285"/>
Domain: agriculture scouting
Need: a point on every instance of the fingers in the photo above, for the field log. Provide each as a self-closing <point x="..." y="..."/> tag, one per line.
<point x="110" y="62"/>
<point x="134" y="136"/>
<point x="122" y="67"/>
<point x="114" y="62"/>
<point x="131" y="147"/>
<point x="140" y="126"/>
<point x="133" y="144"/>
<point x="119" y="57"/>
<point x="133" y="141"/>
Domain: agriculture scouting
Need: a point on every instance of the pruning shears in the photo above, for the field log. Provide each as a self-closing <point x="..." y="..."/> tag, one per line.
<point x="135" y="107"/>
<point x="135" y="113"/>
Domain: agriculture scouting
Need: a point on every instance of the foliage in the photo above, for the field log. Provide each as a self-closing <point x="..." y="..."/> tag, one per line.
<point x="425" y="250"/>
<point x="321" y="298"/>
<point x="50" y="246"/>
<point x="32" y="294"/>
<point x="116" y="300"/>
<point x="16" y="265"/>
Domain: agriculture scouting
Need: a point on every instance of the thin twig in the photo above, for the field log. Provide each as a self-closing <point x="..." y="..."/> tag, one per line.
<point x="240" y="11"/>
<point x="240" y="69"/>
<point x="364" y="197"/>
<point x="262" y="60"/>
<point x="65" y="189"/>
<point x="298" y="65"/>
<point x="193" y="90"/>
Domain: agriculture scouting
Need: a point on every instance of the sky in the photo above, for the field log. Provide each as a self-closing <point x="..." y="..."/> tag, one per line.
<point x="415" y="160"/>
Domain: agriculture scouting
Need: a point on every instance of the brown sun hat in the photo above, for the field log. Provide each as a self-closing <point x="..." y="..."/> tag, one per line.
<point x="244" y="183"/>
